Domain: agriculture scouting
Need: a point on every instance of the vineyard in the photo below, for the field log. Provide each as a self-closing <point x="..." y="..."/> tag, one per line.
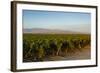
<point x="38" y="47"/>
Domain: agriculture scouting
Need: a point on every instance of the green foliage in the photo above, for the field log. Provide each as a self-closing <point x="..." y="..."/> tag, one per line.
<point x="36" y="47"/>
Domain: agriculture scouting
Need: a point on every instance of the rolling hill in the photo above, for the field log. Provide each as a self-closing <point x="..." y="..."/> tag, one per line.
<point x="49" y="31"/>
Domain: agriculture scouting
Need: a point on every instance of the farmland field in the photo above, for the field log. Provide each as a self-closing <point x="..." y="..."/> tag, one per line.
<point x="54" y="47"/>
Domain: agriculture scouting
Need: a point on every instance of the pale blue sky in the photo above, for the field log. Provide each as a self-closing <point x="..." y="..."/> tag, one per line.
<point x="72" y="21"/>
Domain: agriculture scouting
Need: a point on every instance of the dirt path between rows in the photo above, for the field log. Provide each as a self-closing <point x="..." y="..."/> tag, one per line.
<point x="85" y="53"/>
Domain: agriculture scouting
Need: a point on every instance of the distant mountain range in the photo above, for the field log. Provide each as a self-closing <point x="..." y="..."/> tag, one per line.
<point x="49" y="31"/>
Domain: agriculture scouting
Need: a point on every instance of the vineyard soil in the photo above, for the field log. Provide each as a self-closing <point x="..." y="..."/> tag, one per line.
<point x="78" y="55"/>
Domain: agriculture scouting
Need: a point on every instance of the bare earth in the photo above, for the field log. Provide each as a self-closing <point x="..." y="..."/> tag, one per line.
<point x="85" y="53"/>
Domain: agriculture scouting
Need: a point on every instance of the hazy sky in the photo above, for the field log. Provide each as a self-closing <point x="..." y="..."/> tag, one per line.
<point x="71" y="21"/>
